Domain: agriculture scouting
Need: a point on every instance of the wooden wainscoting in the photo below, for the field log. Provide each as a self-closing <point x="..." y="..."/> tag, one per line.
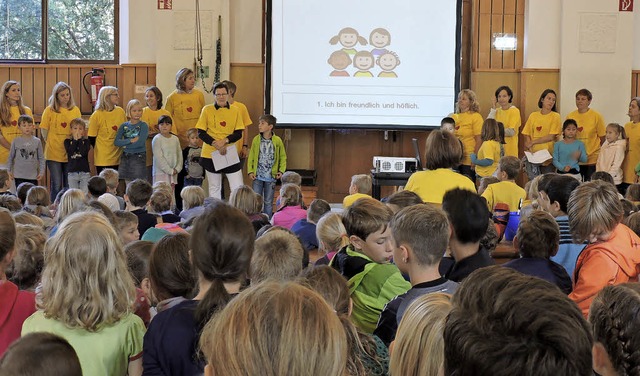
<point x="635" y="83"/>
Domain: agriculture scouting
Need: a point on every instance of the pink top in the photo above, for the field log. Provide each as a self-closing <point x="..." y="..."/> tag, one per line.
<point x="288" y="215"/>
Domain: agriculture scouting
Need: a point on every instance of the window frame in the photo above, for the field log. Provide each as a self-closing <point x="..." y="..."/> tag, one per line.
<point x="45" y="39"/>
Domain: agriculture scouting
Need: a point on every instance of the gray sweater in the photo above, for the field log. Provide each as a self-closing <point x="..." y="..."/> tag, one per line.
<point x="26" y="159"/>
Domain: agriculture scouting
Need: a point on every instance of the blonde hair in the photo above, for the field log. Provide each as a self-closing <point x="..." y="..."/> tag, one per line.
<point x="26" y="218"/>
<point x="277" y="255"/>
<point x="192" y="196"/>
<point x="39" y="197"/>
<point x="362" y="182"/>
<point x="290" y="195"/>
<point x="86" y="283"/>
<point x="5" y="106"/>
<point x="54" y="102"/>
<point x="331" y="233"/>
<point x="132" y="103"/>
<point x="474" y="106"/>
<point x="102" y="103"/>
<point x="181" y="78"/>
<point x="421" y="332"/>
<point x="270" y="328"/>
<point x="594" y="209"/>
<point x="244" y="199"/>
<point x="111" y="176"/>
<point x="72" y="201"/>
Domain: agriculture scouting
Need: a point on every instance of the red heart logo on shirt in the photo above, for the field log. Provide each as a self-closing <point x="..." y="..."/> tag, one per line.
<point x="223" y="123"/>
<point x="64" y="125"/>
<point x="538" y="129"/>
<point x="580" y="129"/>
<point x="457" y="127"/>
<point x="115" y="127"/>
<point x="14" y="123"/>
<point x="189" y="109"/>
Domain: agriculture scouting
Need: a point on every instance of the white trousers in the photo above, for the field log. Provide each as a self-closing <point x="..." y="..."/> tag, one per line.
<point x="215" y="182"/>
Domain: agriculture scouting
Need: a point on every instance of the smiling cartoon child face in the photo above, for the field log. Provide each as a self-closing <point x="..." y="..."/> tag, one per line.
<point x="339" y="60"/>
<point x="363" y="60"/>
<point x="348" y="39"/>
<point x="379" y="40"/>
<point x="388" y="61"/>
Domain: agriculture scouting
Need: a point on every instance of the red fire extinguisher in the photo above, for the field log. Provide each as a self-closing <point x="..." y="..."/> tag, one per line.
<point x="97" y="82"/>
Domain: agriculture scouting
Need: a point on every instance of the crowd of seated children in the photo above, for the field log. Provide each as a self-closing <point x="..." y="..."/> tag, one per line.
<point x="305" y="229"/>
<point x="421" y="234"/>
<point x="367" y="355"/>
<point x="291" y="208"/>
<point x="360" y="188"/>
<point x="613" y="254"/>
<point x="332" y="237"/>
<point x="170" y="275"/>
<point x="365" y="262"/>
<point x="537" y="240"/>
<point x="469" y="219"/>
<point x="277" y="255"/>
<point x="138" y="254"/>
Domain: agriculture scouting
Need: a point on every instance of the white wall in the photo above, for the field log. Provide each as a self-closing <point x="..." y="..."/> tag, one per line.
<point x="636" y="36"/>
<point x="542" y="34"/>
<point x="137" y="23"/>
<point x="246" y="31"/>
<point x="596" y="57"/>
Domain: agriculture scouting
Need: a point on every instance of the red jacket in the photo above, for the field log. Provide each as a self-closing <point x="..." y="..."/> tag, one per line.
<point x="611" y="262"/>
<point x="15" y="307"/>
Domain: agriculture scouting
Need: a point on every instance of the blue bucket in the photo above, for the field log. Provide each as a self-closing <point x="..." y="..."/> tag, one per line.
<point x="512" y="226"/>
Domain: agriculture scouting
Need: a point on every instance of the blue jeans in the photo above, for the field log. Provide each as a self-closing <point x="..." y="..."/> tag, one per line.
<point x="265" y="188"/>
<point x="58" y="172"/>
<point x="133" y="166"/>
<point x="79" y="180"/>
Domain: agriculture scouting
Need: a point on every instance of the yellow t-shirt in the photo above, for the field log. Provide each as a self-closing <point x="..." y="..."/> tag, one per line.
<point x="58" y="125"/>
<point x="590" y="128"/>
<point x="350" y="199"/>
<point x="151" y="117"/>
<point x="10" y="132"/>
<point x="511" y="119"/>
<point x="185" y="111"/>
<point x="488" y="150"/>
<point x="506" y="192"/>
<point x="468" y="126"/>
<point x="246" y="120"/>
<point x="219" y="123"/>
<point x="431" y="185"/>
<point x="632" y="131"/>
<point x="539" y="125"/>
<point x="103" y="125"/>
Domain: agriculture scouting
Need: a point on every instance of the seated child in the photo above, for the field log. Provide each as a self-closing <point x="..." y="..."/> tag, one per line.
<point x="160" y="204"/>
<point x="554" y="200"/>
<point x="633" y="222"/>
<point x="192" y="202"/>
<point x="277" y="255"/>
<point x="537" y="239"/>
<point x="628" y="207"/>
<point x="613" y="254"/>
<point x="138" y="253"/>
<point x="360" y="188"/>
<point x="112" y="179"/>
<point x="469" y="219"/>
<point x="170" y="273"/>
<point x="29" y="257"/>
<point x="96" y="186"/>
<point x="366" y="262"/>
<point x="605" y="176"/>
<point x="5" y="182"/>
<point x="21" y="191"/>
<point x="332" y="237"/>
<point x="10" y="202"/>
<point x="305" y="229"/>
<point x="54" y="355"/>
<point x="37" y="203"/>
<point x="401" y="200"/>
<point x="506" y="191"/>
<point x="289" y="177"/>
<point x="633" y="193"/>
<point x="127" y="225"/>
<point x="137" y="197"/>
<point x="421" y="234"/>
<point x="291" y="210"/>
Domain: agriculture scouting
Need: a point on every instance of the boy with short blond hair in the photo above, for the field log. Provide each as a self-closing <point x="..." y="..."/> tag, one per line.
<point x="127" y="225"/>
<point x="277" y="255"/>
<point x="112" y="178"/>
<point x="506" y="191"/>
<point x="366" y="262"/>
<point x="360" y="188"/>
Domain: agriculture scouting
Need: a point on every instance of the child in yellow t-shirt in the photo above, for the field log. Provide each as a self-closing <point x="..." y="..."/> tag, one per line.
<point x="486" y="160"/>
<point x="360" y="187"/>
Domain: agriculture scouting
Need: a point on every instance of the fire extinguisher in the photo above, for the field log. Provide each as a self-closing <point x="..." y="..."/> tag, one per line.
<point x="97" y="82"/>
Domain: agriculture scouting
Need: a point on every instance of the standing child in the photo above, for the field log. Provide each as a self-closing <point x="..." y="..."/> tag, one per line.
<point x="151" y="115"/>
<point x="167" y="155"/>
<point x="102" y="329"/>
<point x="267" y="161"/>
<point x="488" y="156"/>
<point x="570" y="151"/>
<point x="612" y="152"/>
<point x="243" y="151"/>
<point x="103" y="126"/>
<point x="26" y="159"/>
<point x="131" y="136"/>
<point x="77" y="148"/>
<point x="194" y="173"/>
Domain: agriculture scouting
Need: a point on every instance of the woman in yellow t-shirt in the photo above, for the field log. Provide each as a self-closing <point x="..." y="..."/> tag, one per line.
<point x="632" y="129"/>
<point x="468" y="129"/>
<point x="184" y="105"/>
<point x="541" y="130"/>
<point x="11" y="108"/>
<point x="150" y="115"/>
<point x="509" y="115"/>
<point x="55" y="126"/>
<point x="103" y="126"/>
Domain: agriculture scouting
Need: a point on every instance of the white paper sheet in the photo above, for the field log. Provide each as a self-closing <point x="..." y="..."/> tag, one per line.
<point x="223" y="161"/>
<point x="539" y="156"/>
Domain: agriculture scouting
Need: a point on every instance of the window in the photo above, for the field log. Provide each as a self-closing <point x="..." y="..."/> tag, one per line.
<point x="58" y="30"/>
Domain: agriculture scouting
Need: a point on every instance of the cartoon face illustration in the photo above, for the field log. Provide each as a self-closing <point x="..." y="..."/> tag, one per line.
<point x="339" y="60"/>
<point x="380" y="38"/>
<point x="348" y="38"/>
<point x="388" y="61"/>
<point x="363" y="60"/>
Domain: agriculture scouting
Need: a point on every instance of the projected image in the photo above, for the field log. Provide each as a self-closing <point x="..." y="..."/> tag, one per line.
<point x="364" y="61"/>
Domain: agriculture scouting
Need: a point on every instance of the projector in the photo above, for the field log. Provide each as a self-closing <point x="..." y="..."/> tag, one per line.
<point x="394" y="164"/>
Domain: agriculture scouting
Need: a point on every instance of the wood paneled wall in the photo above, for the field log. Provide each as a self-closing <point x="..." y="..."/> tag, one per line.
<point x="635" y="83"/>
<point x="496" y="16"/>
<point x="37" y="81"/>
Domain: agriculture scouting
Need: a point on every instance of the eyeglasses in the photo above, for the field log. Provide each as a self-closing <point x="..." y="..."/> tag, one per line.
<point x="221" y="95"/>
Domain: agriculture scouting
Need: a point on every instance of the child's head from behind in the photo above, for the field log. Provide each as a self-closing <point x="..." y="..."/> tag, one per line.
<point x="633" y="222"/>
<point x="616" y="324"/>
<point x="402" y="199"/>
<point x="285" y="319"/>
<point x="317" y="209"/>
<point x="111" y="178"/>
<point x="476" y="343"/>
<point x="360" y="184"/>
<point x="83" y="257"/>
<point x="290" y="195"/>
<point x="331" y="233"/>
<point x="244" y="198"/>
<point x="160" y="202"/>
<point x="594" y="211"/>
<point x="277" y="255"/>
<point x="557" y="193"/>
<point x="633" y="192"/>
<point x="97" y="186"/>
<point x="538" y="235"/>
<point x="628" y="207"/>
<point x="10" y="202"/>
<point x="22" y="189"/>
<point x="7" y="237"/>
<point x="291" y="177"/>
<point x="55" y="356"/>
<point x="421" y="234"/>
<point x="192" y="196"/>
<point x="138" y="192"/>
<point x="72" y="200"/>
<point x="38" y="196"/>
<point x="468" y="215"/>
<point x="170" y="270"/>
<point x="367" y="225"/>
<point x="490" y="130"/>
<point x="5" y="181"/>
<point x="442" y="150"/>
<point x="138" y="254"/>
<point x="420" y="331"/>
<point x="29" y="258"/>
<point x="509" y="168"/>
